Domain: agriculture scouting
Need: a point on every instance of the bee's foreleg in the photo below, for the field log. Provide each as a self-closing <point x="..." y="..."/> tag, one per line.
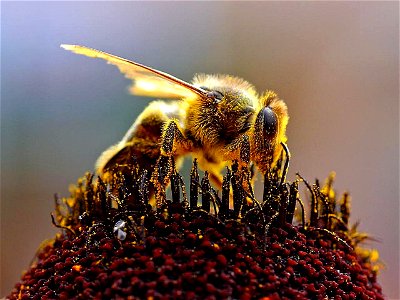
<point x="244" y="150"/>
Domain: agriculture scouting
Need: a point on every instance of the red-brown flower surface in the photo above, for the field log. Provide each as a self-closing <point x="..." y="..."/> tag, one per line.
<point x="115" y="245"/>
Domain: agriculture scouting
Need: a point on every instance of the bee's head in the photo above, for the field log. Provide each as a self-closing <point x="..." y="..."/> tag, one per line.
<point x="226" y="109"/>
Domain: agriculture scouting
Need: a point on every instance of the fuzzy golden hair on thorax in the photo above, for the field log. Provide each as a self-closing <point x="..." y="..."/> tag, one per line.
<point x="230" y="82"/>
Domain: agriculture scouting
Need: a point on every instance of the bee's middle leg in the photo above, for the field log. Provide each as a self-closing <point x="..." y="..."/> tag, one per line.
<point x="239" y="150"/>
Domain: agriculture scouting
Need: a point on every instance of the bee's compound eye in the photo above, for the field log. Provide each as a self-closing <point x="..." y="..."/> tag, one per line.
<point x="270" y="122"/>
<point x="216" y="95"/>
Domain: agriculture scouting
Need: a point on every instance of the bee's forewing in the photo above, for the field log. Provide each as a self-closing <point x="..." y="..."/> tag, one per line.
<point x="146" y="81"/>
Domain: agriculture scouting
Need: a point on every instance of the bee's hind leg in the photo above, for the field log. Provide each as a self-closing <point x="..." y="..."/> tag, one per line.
<point x="173" y="144"/>
<point x="173" y="140"/>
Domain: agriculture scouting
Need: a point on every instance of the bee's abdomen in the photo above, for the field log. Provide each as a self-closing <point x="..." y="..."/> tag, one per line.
<point x="142" y="141"/>
<point x="150" y="122"/>
<point x="149" y="128"/>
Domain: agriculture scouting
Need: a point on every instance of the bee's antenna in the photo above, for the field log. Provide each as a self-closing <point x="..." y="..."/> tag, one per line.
<point x="286" y="166"/>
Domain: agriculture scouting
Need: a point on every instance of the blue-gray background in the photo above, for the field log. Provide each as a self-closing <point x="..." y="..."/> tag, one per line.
<point x="335" y="64"/>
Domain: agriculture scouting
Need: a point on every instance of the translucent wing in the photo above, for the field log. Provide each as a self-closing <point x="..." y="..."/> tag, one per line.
<point x="146" y="81"/>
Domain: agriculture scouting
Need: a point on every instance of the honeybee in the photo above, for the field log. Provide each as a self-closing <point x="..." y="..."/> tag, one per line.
<point x="216" y="118"/>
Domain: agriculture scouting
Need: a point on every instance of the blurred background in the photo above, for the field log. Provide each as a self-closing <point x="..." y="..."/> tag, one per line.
<point x="335" y="63"/>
